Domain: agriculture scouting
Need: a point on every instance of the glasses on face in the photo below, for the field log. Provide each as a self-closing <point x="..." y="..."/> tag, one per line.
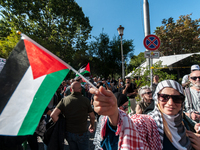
<point x="148" y="93"/>
<point x="195" y="78"/>
<point x="178" y="99"/>
<point x="125" y="107"/>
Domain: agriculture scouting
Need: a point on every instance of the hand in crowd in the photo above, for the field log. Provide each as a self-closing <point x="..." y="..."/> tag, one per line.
<point x="194" y="138"/>
<point x="105" y="103"/>
<point x="127" y="85"/>
<point x="196" y="127"/>
<point x="91" y="128"/>
<point x="195" y="116"/>
<point x="129" y="94"/>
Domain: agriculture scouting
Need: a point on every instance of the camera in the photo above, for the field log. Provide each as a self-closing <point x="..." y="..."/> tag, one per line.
<point x="127" y="82"/>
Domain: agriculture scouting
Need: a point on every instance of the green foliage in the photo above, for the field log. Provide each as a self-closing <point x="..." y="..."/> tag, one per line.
<point x="106" y="55"/>
<point x="144" y="74"/>
<point x="8" y="43"/>
<point x="179" y="37"/>
<point x="135" y="62"/>
<point x="60" y="26"/>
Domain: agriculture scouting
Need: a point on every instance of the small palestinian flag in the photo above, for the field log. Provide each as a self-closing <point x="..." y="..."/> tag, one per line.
<point x="84" y="70"/>
<point x="28" y="80"/>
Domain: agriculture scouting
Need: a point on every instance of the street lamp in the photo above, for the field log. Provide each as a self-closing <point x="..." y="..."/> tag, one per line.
<point x="120" y="31"/>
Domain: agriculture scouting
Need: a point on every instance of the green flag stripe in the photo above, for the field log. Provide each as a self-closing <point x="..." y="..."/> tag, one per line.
<point x="84" y="72"/>
<point x="41" y="100"/>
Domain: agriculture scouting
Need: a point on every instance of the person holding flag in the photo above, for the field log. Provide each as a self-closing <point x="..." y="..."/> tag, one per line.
<point x="137" y="132"/>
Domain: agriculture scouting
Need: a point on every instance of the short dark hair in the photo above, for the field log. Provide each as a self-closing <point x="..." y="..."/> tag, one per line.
<point x="128" y="77"/>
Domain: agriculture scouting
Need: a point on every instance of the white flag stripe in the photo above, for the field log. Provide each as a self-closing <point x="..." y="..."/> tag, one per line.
<point x="82" y="70"/>
<point x="17" y="107"/>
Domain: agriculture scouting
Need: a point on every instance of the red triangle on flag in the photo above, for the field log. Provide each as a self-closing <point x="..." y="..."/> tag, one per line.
<point x="87" y="67"/>
<point x="41" y="62"/>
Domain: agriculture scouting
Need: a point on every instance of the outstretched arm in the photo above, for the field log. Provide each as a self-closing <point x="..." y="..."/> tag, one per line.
<point x="105" y="103"/>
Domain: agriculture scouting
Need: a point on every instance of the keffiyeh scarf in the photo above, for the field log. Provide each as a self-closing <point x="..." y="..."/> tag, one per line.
<point x="170" y="125"/>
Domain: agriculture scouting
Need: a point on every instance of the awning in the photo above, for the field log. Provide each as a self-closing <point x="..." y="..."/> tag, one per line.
<point x="166" y="61"/>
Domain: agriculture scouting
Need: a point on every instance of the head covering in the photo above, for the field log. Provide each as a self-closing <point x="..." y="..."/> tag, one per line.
<point x="121" y="98"/>
<point x="170" y="125"/>
<point x="195" y="67"/>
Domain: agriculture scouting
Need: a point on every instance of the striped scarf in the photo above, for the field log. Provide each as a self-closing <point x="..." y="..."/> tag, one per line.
<point x="170" y="125"/>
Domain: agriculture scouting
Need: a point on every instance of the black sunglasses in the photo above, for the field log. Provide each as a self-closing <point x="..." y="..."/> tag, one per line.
<point x="179" y="99"/>
<point x="195" y="78"/>
<point x="124" y="107"/>
<point x="148" y="93"/>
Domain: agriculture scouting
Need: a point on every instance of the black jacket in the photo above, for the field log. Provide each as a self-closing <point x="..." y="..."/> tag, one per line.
<point x="56" y="141"/>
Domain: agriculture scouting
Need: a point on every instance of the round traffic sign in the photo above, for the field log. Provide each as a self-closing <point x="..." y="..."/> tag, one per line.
<point x="151" y="42"/>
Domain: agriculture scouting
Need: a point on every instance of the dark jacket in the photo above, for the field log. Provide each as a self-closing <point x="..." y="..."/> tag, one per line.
<point x="56" y="141"/>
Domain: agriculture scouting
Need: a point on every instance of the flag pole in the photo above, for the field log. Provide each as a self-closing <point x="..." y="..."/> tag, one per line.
<point x="83" y="77"/>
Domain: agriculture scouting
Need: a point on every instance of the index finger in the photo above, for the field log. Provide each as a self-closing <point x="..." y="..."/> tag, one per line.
<point x="94" y="91"/>
<point x="103" y="95"/>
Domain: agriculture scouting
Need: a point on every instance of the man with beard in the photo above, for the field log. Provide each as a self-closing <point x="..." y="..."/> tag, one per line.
<point x="185" y="81"/>
<point x="192" y="100"/>
<point x="146" y="99"/>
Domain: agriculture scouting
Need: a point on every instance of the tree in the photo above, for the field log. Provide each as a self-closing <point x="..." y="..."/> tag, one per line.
<point x="56" y="24"/>
<point x="157" y="69"/>
<point x="179" y="37"/>
<point x="135" y="62"/>
<point x="106" y="54"/>
<point x="8" y="43"/>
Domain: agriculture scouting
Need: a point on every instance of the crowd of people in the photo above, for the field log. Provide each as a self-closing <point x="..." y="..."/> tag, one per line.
<point x="166" y="116"/>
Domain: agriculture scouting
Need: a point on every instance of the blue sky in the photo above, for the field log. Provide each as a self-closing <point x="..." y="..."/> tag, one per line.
<point x="109" y="14"/>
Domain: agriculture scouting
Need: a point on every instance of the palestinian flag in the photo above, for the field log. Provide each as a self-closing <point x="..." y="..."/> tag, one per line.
<point x="28" y="80"/>
<point x="84" y="70"/>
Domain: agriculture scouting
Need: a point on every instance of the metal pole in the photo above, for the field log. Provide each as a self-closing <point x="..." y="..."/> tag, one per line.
<point x="122" y="59"/>
<point x="151" y="73"/>
<point x="147" y="32"/>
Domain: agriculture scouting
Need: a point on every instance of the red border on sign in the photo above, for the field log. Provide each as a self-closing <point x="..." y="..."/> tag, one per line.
<point x="156" y="46"/>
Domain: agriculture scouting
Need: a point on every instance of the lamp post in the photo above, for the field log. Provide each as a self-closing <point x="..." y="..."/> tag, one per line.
<point x="120" y="31"/>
